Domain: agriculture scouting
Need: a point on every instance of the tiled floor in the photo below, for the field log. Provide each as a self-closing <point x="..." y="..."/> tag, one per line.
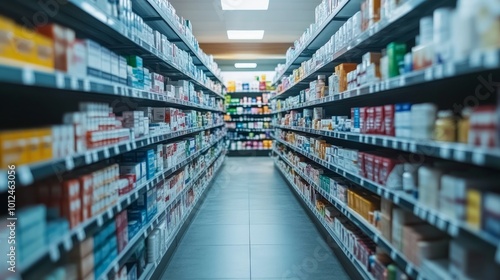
<point x="251" y="226"/>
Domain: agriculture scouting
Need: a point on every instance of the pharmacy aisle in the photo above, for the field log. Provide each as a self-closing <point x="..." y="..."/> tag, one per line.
<point x="251" y="226"/>
<point x="119" y="136"/>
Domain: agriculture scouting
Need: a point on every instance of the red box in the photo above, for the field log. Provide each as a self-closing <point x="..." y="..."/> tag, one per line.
<point x="389" y="120"/>
<point x="70" y="203"/>
<point x="361" y="164"/>
<point x="369" y="168"/>
<point x="379" y="120"/>
<point x="121" y="222"/>
<point x="377" y="164"/>
<point x="370" y="120"/>
<point x="131" y="183"/>
<point x="363" y="119"/>
<point x="388" y="165"/>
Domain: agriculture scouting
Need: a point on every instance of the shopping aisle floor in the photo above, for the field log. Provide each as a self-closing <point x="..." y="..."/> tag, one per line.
<point x="251" y="226"/>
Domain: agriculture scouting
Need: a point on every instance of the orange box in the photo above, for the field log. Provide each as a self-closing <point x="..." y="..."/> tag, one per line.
<point x="62" y="38"/>
<point x="341" y="71"/>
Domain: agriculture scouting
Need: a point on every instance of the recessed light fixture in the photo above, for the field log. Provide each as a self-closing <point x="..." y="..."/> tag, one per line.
<point x="245" y="34"/>
<point x="248" y="5"/>
<point x="245" y="65"/>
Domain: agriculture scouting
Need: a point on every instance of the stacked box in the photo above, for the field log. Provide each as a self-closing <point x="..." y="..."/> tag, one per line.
<point x="121" y="230"/>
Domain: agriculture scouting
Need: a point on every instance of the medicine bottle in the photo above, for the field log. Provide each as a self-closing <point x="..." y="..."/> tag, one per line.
<point x="320" y="85"/>
<point x="464" y="125"/>
<point x="445" y="128"/>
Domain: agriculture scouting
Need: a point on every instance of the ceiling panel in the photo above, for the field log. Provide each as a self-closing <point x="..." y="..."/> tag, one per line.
<point x="283" y="23"/>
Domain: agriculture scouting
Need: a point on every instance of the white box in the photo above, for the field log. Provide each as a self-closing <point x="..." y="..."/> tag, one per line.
<point x="122" y="70"/>
<point x="93" y="58"/>
<point x="115" y="67"/>
<point x="105" y="63"/>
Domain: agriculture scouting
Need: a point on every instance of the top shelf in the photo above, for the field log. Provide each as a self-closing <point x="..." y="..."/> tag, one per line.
<point x="90" y="22"/>
<point x="323" y="33"/>
<point x="401" y="24"/>
<point x="152" y="13"/>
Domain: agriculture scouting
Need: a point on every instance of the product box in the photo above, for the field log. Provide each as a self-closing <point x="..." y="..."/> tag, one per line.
<point x="78" y="60"/>
<point x="115" y="64"/>
<point x="105" y="63"/>
<point x="395" y="54"/>
<point x="355" y="117"/>
<point x="131" y="168"/>
<point x="122" y="70"/>
<point x="93" y="58"/>
<point x="401" y="218"/>
<point x="135" y="61"/>
<point x="62" y="39"/>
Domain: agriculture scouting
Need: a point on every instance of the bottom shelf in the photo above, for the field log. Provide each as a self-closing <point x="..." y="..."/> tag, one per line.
<point x="361" y="269"/>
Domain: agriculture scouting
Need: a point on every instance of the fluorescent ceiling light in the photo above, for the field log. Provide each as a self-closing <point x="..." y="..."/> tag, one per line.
<point x="249" y="5"/>
<point x="245" y="34"/>
<point x="245" y="65"/>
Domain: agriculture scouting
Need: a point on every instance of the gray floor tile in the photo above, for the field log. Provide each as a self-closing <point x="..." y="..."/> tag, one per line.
<point x="282" y="234"/>
<point x="200" y="234"/>
<point x="209" y="262"/>
<point x="279" y="217"/>
<point x="222" y="217"/>
<point x="250" y="204"/>
<point x="296" y="261"/>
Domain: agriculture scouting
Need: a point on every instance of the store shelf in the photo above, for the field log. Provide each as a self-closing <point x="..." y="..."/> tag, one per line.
<point x="250" y="139"/>
<point x="344" y="10"/>
<point x="27" y="174"/>
<point x="401" y="22"/>
<point x="248" y="92"/>
<point x="362" y="224"/>
<point x="158" y="19"/>
<point x="90" y="21"/>
<point x="247" y="104"/>
<point x="451" y="226"/>
<point x="27" y="76"/>
<point x="478" y="62"/>
<point x="78" y="234"/>
<point x="445" y="150"/>
<point x="250" y="129"/>
<point x="253" y="120"/>
<point x="356" y="263"/>
<point x="249" y="114"/>
<point x="155" y="221"/>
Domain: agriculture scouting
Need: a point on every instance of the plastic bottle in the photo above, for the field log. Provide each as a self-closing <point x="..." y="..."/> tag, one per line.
<point x="446" y="127"/>
<point x="464" y="125"/>
<point x="320" y="85"/>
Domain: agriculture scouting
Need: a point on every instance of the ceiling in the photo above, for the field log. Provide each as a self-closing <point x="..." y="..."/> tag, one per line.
<point x="283" y="23"/>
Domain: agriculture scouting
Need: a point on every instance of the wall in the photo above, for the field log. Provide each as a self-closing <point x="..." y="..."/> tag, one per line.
<point x="246" y="76"/>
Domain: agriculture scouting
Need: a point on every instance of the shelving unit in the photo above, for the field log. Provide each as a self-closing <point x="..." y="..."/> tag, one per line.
<point x="242" y="126"/>
<point x="344" y="10"/>
<point x="359" y="221"/>
<point x="449" y="85"/>
<point x="357" y="264"/>
<point x="46" y="95"/>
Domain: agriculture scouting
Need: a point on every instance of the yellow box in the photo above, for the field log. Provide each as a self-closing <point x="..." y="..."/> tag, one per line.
<point x="13" y="149"/>
<point x="25" y="49"/>
<point x="46" y="143"/>
<point x="473" y="210"/>
<point x="7" y="44"/>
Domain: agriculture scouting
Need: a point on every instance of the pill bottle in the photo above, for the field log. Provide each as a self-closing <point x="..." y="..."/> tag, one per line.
<point x="464" y="125"/>
<point x="445" y="127"/>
